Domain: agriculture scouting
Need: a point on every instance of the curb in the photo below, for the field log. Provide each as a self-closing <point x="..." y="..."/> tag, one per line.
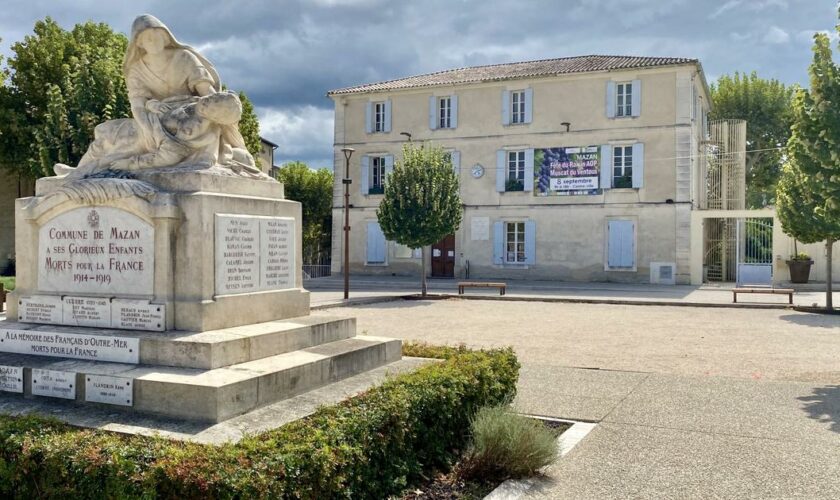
<point x="513" y="489"/>
<point x="624" y="302"/>
<point x="357" y="302"/>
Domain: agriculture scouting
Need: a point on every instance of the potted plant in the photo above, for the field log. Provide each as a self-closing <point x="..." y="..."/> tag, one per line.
<point x="800" y="267"/>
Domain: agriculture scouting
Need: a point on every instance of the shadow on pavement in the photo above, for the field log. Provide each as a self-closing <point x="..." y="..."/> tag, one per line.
<point x="824" y="405"/>
<point x="815" y="320"/>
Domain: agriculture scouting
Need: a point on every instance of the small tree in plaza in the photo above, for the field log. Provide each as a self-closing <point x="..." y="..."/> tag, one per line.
<point x="808" y="195"/>
<point x="421" y="203"/>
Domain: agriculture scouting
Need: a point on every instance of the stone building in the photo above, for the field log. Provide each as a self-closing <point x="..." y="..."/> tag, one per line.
<point x="12" y="186"/>
<point x="581" y="168"/>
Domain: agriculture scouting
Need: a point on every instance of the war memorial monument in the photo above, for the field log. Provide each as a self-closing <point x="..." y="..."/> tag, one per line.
<point x="161" y="274"/>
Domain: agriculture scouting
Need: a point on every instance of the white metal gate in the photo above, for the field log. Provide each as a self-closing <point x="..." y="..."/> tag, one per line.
<point x="754" y="251"/>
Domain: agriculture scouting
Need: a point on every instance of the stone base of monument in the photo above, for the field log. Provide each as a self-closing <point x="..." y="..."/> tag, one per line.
<point x="209" y="376"/>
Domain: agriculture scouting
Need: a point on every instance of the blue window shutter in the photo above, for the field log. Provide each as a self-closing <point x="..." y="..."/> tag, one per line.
<point x="638" y="164"/>
<point x="433" y="112"/>
<point x="529" y="170"/>
<point x="498" y="242"/>
<point x="610" y="99"/>
<point x="530" y="242"/>
<point x="389" y="165"/>
<point x="456" y="162"/>
<point x="636" y="98"/>
<point x="387" y="115"/>
<point x="501" y="170"/>
<point x="369" y="117"/>
<point x="606" y="166"/>
<point x="529" y="105"/>
<point x="621" y="245"/>
<point x="376" y="244"/>
<point x="453" y="103"/>
<point x="505" y="107"/>
<point x="613" y="244"/>
<point x="365" y="183"/>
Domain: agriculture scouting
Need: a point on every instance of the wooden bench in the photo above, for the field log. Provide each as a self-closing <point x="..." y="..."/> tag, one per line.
<point x="774" y="291"/>
<point x="480" y="284"/>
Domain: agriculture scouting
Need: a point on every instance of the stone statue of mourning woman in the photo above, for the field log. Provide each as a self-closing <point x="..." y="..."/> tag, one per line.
<point x="181" y="116"/>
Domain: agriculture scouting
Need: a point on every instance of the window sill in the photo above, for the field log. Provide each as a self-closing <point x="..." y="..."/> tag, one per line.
<point x="376" y="264"/>
<point x="512" y="265"/>
<point x="622" y="190"/>
<point x="620" y="269"/>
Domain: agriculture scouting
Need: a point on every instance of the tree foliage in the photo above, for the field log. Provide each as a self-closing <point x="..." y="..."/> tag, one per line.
<point x="809" y="193"/>
<point x="249" y="127"/>
<point x="766" y="106"/>
<point x="313" y="189"/>
<point x="421" y="203"/>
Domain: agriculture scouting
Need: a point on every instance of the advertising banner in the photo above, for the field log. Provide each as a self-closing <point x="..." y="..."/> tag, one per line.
<point x="567" y="171"/>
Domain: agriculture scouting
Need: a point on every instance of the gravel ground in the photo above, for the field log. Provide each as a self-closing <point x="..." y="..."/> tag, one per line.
<point x="748" y="343"/>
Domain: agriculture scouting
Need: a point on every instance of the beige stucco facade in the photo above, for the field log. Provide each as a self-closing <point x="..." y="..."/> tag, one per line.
<point x="571" y="240"/>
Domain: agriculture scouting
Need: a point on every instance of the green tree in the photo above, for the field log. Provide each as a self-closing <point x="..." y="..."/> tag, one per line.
<point x="421" y="203"/>
<point x="766" y="106"/>
<point x="809" y="193"/>
<point x="314" y="190"/>
<point x="249" y="127"/>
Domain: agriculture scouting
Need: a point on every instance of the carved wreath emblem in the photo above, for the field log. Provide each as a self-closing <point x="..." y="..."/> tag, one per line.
<point x="93" y="219"/>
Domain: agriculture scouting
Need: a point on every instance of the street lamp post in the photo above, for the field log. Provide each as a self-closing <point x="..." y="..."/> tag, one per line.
<point x="348" y="152"/>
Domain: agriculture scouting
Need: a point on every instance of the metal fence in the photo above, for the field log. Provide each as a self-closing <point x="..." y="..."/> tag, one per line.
<point x="312" y="271"/>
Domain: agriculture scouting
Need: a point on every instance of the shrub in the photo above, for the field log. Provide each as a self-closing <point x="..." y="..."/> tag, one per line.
<point x="425" y="350"/>
<point x="369" y="446"/>
<point x="506" y="445"/>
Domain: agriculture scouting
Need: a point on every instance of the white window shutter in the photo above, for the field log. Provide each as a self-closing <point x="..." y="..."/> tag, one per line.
<point x="638" y="164"/>
<point x="621" y="251"/>
<point x="387" y="115"/>
<point x="456" y="162"/>
<point x="498" y="242"/>
<point x="505" y="107"/>
<point x="606" y="166"/>
<point x="376" y="244"/>
<point x="610" y="99"/>
<point x="529" y="102"/>
<point x="636" y="98"/>
<point x="453" y="103"/>
<point x="501" y="170"/>
<point x="433" y="112"/>
<point x="613" y="244"/>
<point x="529" y="170"/>
<point x="369" y="117"/>
<point x="365" y="184"/>
<point x="389" y="165"/>
<point x="530" y="242"/>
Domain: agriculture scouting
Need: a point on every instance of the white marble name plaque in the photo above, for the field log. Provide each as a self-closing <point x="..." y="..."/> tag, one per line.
<point x="479" y="228"/>
<point x="40" y="309"/>
<point x="99" y="249"/>
<point x="86" y="311"/>
<point x="71" y="345"/>
<point x="254" y="253"/>
<point x="54" y="384"/>
<point x="109" y="390"/>
<point x="11" y="378"/>
<point x="137" y="315"/>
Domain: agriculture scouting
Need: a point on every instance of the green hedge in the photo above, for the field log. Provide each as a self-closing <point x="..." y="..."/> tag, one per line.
<point x="370" y="446"/>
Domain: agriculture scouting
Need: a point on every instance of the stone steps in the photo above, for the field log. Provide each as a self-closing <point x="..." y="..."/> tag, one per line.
<point x="217" y="394"/>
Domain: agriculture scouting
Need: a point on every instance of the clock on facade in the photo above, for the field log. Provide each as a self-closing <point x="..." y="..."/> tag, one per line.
<point x="477" y="170"/>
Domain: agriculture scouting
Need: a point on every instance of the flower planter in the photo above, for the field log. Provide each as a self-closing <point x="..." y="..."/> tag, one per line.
<point x="799" y="270"/>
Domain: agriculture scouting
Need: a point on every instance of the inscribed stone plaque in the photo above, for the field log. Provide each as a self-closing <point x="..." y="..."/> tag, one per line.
<point x="86" y="311"/>
<point x="40" y="309"/>
<point x="137" y="315"/>
<point x="99" y="249"/>
<point x="54" y="384"/>
<point x="11" y="378"/>
<point x="480" y="228"/>
<point x="109" y="390"/>
<point x="71" y="345"/>
<point x="237" y="259"/>
<point x="277" y="253"/>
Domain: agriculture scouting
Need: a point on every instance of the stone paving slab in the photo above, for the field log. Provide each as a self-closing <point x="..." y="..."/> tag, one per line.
<point x="628" y="461"/>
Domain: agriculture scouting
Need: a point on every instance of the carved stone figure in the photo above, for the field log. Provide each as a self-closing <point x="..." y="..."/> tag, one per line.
<point x="181" y="117"/>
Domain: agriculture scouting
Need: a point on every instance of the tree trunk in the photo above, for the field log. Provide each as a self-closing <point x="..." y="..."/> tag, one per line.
<point x="423" y="271"/>
<point x="829" y="303"/>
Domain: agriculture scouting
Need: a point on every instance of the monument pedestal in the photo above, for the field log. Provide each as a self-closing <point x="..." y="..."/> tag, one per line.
<point x="176" y="292"/>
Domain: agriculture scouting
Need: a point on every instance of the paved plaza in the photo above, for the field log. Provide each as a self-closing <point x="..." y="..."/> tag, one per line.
<point x="691" y="402"/>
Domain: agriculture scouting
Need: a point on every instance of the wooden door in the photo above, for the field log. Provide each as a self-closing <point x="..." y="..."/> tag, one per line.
<point x="443" y="258"/>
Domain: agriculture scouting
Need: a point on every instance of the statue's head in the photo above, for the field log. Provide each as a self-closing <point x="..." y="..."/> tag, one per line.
<point x="223" y="108"/>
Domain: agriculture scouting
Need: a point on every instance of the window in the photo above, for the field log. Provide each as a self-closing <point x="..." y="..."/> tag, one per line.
<point x="515" y="243"/>
<point x="377" y="175"/>
<point x="379" y="117"/>
<point x="515" y="171"/>
<point x="444" y="112"/>
<point x="624" y="99"/>
<point x="622" y="167"/>
<point x="517" y="106"/>
<point x="621" y="245"/>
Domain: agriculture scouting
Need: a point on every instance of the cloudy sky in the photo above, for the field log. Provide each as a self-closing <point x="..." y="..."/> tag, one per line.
<point x="287" y="54"/>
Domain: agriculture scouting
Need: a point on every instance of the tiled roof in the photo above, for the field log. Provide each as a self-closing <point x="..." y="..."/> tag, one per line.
<point x="508" y="71"/>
